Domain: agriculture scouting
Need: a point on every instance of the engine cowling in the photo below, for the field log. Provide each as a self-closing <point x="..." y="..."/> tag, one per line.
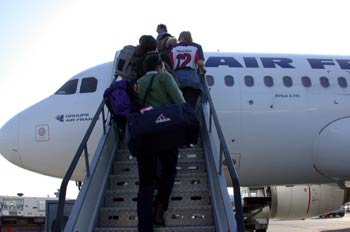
<point x="305" y="201"/>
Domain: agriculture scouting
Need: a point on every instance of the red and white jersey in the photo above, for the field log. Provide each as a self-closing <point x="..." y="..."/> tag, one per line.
<point x="185" y="55"/>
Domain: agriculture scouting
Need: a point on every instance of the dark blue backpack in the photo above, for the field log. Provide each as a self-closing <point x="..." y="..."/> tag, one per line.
<point x="118" y="98"/>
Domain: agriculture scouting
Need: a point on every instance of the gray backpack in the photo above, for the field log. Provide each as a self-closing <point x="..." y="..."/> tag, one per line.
<point x="124" y="65"/>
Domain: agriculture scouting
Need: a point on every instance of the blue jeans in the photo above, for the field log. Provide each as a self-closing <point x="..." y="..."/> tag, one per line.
<point x="188" y="78"/>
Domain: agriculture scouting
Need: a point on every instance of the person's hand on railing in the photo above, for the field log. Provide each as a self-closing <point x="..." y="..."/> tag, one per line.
<point x="202" y="72"/>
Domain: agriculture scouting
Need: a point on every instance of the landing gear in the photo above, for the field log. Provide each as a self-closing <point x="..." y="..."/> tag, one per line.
<point x="78" y="184"/>
<point x="257" y="220"/>
<point x="256" y="209"/>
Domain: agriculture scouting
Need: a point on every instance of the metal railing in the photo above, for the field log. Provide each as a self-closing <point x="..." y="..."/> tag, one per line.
<point x="224" y="153"/>
<point x="82" y="148"/>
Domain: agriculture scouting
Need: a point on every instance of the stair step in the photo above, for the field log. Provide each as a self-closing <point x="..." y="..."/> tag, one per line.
<point x="161" y="229"/>
<point x="130" y="166"/>
<point x="182" y="181"/>
<point x="122" y="198"/>
<point x="174" y="216"/>
<point x="195" y="153"/>
<point x="189" y="209"/>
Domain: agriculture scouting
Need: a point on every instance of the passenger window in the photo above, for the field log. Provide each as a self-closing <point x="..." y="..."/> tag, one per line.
<point x="70" y="87"/>
<point x="324" y="82"/>
<point x="287" y="81"/>
<point x="88" y="85"/>
<point x="306" y="81"/>
<point x="268" y="80"/>
<point x="342" y="82"/>
<point x="229" y="81"/>
<point x="210" y="80"/>
<point x="249" y="81"/>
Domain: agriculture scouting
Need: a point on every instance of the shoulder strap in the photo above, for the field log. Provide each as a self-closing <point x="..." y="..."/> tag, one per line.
<point x="148" y="90"/>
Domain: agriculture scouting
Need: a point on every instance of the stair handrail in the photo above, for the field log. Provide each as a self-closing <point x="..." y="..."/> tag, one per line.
<point x="206" y="97"/>
<point x="68" y="175"/>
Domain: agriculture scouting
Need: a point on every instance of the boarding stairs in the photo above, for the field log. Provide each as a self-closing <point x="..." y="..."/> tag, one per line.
<point x="199" y="200"/>
<point x="189" y="208"/>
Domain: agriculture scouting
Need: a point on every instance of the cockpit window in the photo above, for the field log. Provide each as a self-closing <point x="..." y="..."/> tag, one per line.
<point x="229" y="81"/>
<point x="70" y="87"/>
<point x="88" y="85"/>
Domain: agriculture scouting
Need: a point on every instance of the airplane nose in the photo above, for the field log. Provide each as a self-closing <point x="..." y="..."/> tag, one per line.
<point x="9" y="141"/>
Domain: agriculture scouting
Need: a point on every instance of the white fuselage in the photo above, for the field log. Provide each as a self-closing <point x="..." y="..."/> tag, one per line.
<point x="279" y="132"/>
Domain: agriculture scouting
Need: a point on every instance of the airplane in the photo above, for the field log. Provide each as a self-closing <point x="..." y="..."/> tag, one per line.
<point x="285" y="118"/>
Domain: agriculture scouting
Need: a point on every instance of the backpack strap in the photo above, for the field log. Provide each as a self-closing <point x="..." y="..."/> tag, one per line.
<point x="148" y="90"/>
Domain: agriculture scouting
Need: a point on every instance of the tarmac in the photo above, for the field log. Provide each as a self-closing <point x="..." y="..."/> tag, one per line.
<point x="336" y="224"/>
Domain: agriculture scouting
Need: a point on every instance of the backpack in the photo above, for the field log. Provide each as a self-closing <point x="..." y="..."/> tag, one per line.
<point x="162" y="43"/>
<point x="124" y="62"/>
<point x="118" y="98"/>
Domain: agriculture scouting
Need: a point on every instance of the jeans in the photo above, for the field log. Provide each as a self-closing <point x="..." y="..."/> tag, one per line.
<point x="147" y="167"/>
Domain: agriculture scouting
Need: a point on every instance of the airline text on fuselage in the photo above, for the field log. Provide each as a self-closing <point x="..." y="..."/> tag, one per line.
<point x="275" y="62"/>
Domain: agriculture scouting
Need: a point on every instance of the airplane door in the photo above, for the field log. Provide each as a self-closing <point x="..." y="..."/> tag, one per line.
<point x="225" y="92"/>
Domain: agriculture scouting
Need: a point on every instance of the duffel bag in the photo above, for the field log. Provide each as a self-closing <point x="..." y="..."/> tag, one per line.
<point x="161" y="128"/>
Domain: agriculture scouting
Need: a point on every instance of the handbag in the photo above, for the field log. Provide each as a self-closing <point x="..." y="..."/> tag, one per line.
<point x="162" y="128"/>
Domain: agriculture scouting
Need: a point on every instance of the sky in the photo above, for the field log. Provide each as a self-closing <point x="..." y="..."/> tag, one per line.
<point x="45" y="42"/>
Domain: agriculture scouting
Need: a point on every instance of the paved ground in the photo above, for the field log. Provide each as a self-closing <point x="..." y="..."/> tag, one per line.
<point x="312" y="225"/>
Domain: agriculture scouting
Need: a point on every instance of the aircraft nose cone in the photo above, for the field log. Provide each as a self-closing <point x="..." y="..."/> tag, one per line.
<point x="9" y="141"/>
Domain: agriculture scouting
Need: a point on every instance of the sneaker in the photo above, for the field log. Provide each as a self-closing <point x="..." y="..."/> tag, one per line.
<point x="187" y="146"/>
<point x="158" y="215"/>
